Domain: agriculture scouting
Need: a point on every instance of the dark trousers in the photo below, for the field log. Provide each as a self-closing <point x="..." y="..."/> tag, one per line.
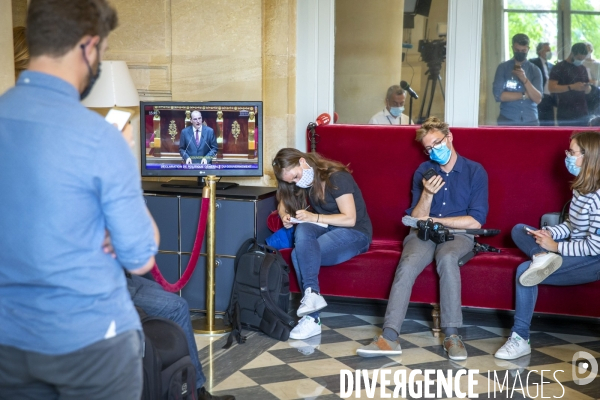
<point x="546" y="111"/>
<point x="110" y="369"/>
<point x="155" y="301"/>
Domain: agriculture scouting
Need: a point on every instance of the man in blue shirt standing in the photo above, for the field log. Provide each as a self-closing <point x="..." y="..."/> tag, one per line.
<point x="69" y="181"/>
<point x="518" y="86"/>
<point x="457" y="197"/>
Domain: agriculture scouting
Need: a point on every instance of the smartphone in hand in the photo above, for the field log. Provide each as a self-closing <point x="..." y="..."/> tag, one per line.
<point x="528" y="229"/>
<point x="118" y="117"/>
<point x="427" y="175"/>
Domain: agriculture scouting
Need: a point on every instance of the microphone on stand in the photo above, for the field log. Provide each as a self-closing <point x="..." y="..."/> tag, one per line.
<point x="413" y="95"/>
<point x="404" y="85"/>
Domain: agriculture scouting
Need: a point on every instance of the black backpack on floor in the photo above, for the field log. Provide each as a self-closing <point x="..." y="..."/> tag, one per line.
<point x="168" y="370"/>
<point x="261" y="293"/>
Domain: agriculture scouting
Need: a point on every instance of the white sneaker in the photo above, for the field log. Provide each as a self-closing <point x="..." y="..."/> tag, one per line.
<point x="514" y="347"/>
<point x="540" y="268"/>
<point x="307" y="327"/>
<point x="310" y="303"/>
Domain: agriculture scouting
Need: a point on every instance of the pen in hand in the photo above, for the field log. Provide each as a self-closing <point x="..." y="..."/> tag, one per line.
<point x="305" y="209"/>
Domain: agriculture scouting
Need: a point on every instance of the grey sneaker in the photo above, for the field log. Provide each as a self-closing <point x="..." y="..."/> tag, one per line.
<point x="380" y="347"/>
<point x="455" y="348"/>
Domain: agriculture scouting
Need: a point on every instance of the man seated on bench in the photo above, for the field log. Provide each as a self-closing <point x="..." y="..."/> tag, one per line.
<point x="155" y="301"/>
<point x="457" y="197"/>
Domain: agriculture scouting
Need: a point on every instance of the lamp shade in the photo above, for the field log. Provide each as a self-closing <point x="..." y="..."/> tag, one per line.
<point x="114" y="87"/>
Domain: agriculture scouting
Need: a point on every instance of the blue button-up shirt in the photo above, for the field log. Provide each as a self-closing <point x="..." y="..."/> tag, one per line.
<point x="66" y="176"/>
<point x="521" y="112"/>
<point x="465" y="191"/>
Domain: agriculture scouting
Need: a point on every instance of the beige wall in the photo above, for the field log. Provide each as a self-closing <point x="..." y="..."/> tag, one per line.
<point x="7" y="65"/>
<point x="201" y="50"/>
<point x="19" y="12"/>
<point x="414" y="69"/>
<point x="368" y="56"/>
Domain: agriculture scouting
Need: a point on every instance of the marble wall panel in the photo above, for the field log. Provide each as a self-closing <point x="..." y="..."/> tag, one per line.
<point x="7" y="63"/>
<point x="19" y="12"/>
<point x="368" y="56"/>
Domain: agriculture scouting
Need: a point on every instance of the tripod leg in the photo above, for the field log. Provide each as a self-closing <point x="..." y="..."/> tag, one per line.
<point x="433" y="83"/>
<point x="421" y="119"/>
<point x="442" y="88"/>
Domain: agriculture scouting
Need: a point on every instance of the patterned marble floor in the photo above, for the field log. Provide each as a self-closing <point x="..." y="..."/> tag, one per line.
<point x="263" y="368"/>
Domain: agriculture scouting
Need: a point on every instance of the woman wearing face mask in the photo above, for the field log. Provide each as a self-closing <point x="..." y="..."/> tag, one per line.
<point x="314" y="189"/>
<point x="565" y="254"/>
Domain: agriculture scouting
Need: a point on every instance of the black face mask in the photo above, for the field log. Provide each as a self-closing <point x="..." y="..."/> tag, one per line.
<point x="520" y="56"/>
<point x="93" y="77"/>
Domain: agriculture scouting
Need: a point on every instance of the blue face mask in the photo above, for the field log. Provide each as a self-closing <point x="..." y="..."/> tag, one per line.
<point x="396" y="111"/>
<point x="577" y="62"/>
<point x="571" y="167"/>
<point x="441" y="155"/>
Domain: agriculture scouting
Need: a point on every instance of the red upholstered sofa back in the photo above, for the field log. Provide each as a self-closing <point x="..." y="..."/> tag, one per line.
<point x="525" y="166"/>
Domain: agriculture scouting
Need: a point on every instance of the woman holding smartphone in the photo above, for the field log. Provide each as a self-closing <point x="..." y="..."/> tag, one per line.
<point x="314" y="189"/>
<point x="565" y="254"/>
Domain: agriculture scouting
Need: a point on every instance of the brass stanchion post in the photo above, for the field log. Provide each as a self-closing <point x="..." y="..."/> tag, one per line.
<point x="208" y="324"/>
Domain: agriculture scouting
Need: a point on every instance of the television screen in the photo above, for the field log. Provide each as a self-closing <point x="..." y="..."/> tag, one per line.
<point x="195" y="139"/>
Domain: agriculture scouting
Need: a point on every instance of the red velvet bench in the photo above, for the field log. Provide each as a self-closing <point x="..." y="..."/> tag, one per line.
<point x="527" y="178"/>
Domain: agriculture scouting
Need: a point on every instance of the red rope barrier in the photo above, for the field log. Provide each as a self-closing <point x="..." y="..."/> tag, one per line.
<point x="177" y="286"/>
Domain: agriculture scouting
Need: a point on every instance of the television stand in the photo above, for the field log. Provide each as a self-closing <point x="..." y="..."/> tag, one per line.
<point x="200" y="184"/>
<point x="226" y="185"/>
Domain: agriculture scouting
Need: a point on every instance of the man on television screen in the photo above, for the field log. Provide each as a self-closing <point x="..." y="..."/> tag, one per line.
<point x="197" y="144"/>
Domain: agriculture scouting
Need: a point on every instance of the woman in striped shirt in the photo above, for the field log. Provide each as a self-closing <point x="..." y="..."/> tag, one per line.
<point x="565" y="254"/>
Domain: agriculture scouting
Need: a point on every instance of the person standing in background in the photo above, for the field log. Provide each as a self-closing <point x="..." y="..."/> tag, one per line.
<point x="68" y="328"/>
<point x="592" y="65"/>
<point x="569" y="80"/>
<point x="546" y="106"/>
<point x="518" y="86"/>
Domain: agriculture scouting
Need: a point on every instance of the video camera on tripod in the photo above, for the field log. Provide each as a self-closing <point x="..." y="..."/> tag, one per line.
<point x="433" y="51"/>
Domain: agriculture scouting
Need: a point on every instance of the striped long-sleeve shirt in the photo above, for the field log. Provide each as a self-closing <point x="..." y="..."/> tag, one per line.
<point x="583" y="227"/>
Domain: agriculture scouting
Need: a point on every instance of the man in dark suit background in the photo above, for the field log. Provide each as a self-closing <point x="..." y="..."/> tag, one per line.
<point x="197" y="143"/>
<point x="546" y="106"/>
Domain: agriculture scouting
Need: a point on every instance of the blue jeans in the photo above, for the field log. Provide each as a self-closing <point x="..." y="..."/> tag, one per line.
<point x="573" y="271"/>
<point x="155" y="301"/>
<point x="316" y="246"/>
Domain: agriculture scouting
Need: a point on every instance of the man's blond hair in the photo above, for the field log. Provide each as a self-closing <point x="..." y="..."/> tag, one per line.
<point x="431" y="124"/>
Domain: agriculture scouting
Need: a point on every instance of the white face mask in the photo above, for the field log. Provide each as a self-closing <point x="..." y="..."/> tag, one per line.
<point x="548" y="55"/>
<point x="308" y="176"/>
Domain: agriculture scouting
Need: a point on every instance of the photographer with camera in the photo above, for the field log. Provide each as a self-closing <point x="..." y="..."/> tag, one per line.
<point x="518" y="86"/>
<point x="456" y="195"/>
